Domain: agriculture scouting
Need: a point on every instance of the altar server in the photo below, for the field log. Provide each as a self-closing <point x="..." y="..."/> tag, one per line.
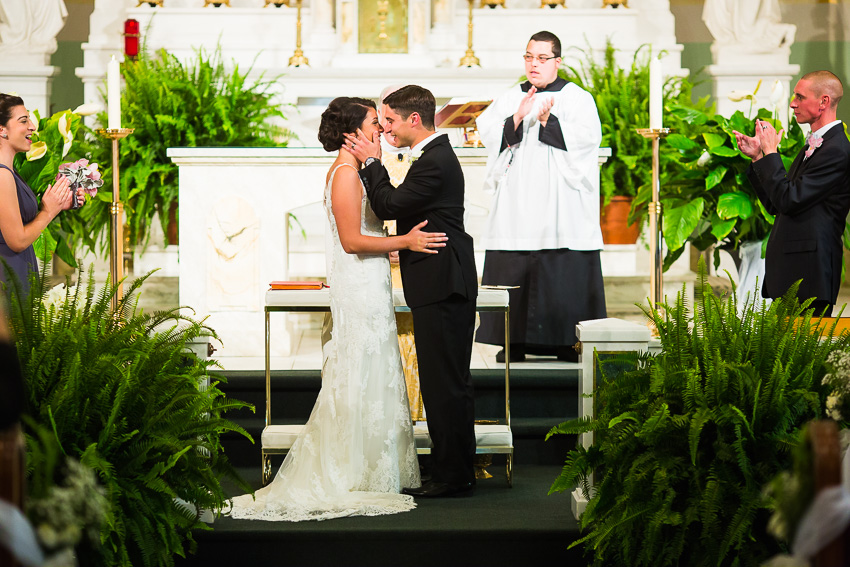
<point x="543" y="233"/>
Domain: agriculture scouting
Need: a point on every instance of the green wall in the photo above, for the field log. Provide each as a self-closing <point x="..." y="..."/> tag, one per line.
<point x="67" y="87"/>
<point x="809" y="55"/>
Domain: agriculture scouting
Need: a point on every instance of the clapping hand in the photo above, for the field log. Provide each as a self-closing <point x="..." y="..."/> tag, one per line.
<point x="525" y="106"/>
<point x="545" y="108"/>
<point x="768" y="136"/>
<point x="57" y="197"/>
<point x="420" y="241"/>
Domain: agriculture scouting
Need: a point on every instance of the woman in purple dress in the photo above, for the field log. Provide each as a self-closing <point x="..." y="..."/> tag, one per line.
<point x="21" y="218"/>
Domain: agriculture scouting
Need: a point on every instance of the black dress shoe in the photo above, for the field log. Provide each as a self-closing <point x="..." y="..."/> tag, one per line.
<point x="440" y="490"/>
<point x="517" y="354"/>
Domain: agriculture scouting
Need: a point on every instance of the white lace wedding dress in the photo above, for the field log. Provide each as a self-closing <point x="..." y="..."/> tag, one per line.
<point x="357" y="450"/>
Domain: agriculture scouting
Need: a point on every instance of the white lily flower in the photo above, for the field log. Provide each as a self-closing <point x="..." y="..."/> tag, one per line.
<point x="777" y="93"/>
<point x="87" y="109"/>
<point x="738" y="96"/>
<point x="37" y="151"/>
<point x="67" y="135"/>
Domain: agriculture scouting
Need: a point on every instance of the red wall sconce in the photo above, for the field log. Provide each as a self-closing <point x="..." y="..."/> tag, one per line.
<point x="131" y="38"/>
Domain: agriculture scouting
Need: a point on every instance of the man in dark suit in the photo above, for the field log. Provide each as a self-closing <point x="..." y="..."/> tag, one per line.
<point x="811" y="201"/>
<point x="440" y="289"/>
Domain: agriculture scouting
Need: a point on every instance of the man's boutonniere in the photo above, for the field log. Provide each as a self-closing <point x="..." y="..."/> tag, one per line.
<point x="814" y="142"/>
<point x="413" y="156"/>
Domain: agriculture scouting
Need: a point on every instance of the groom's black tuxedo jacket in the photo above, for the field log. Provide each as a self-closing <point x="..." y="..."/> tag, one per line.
<point x="811" y="203"/>
<point x="432" y="190"/>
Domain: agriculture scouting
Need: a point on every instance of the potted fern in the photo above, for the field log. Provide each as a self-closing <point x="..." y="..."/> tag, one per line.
<point x="622" y="97"/>
<point x="120" y="393"/>
<point x="174" y="104"/>
<point x="685" y="441"/>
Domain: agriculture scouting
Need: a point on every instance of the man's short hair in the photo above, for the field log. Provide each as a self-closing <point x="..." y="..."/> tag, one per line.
<point x="413" y="98"/>
<point x="826" y="83"/>
<point x="551" y="38"/>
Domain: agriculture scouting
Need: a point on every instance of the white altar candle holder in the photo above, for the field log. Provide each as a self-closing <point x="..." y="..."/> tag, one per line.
<point x="116" y="250"/>
<point x="656" y="236"/>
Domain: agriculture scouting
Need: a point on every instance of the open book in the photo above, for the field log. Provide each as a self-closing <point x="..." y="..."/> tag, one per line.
<point x="460" y="112"/>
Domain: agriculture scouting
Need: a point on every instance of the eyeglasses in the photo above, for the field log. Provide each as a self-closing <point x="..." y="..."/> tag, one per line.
<point x="540" y="58"/>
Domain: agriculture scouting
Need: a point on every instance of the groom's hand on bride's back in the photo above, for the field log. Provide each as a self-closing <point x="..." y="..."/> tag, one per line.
<point x="426" y="242"/>
<point x="362" y="147"/>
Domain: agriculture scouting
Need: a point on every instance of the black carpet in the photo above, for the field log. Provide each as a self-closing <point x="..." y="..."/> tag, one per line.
<point x="498" y="526"/>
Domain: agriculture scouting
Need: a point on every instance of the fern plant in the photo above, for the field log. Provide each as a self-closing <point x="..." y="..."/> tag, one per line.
<point x="685" y="441"/>
<point x="174" y="104"/>
<point x="121" y="394"/>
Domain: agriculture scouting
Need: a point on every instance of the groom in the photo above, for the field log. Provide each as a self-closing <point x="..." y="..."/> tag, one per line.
<point x="440" y="289"/>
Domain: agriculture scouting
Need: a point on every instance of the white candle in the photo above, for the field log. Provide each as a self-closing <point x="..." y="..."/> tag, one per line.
<point x="113" y="94"/>
<point x="656" y="85"/>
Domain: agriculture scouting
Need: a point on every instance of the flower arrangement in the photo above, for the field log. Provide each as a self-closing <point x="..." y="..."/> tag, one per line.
<point x="838" y="382"/>
<point x="81" y="174"/>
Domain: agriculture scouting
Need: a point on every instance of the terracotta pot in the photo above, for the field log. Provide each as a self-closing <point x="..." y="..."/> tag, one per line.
<point x="171" y="233"/>
<point x="613" y="220"/>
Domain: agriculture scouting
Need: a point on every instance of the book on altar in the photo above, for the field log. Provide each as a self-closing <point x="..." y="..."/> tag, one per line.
<point x="297" y="285"/>
<point x="460" y="112"/>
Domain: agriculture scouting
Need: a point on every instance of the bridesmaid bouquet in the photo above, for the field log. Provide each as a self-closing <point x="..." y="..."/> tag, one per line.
<point x="81" y="174"/>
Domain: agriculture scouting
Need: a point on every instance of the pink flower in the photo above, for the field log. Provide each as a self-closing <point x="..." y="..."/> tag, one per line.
<point x="814" y="142"/>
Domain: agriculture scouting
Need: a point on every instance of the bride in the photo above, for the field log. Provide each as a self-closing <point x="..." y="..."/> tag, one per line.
<point x="357" y="451"/>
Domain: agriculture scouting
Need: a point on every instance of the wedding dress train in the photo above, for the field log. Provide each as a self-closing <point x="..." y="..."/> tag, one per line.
<point x="357" y="450"/>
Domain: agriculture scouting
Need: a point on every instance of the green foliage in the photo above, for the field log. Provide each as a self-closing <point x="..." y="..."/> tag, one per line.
<point x="39" y="168"/>
<point x="122" y="394"/>
<point x="622" y="97"/>
<point x="685" y="440"/>
<point x="172" y="104"/>
<point x="707" y="166"/>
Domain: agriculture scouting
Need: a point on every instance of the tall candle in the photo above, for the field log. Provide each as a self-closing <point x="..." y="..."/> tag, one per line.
<point x="113" y="94"/>
<point x="656" y="103"/>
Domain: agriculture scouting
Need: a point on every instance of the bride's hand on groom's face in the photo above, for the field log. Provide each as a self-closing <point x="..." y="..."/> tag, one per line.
<point x="362" y="147"/>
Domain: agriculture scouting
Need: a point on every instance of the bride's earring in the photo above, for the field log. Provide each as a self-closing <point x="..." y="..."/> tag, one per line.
<point x="4" y="136"/>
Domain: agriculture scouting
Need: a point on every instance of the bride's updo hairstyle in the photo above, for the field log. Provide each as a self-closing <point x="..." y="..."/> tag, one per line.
<point x="344" y="115"/>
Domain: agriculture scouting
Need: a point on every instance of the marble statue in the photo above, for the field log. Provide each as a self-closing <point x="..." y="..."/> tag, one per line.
<point x="755" y="25"/>
<point x="31" y="26"/>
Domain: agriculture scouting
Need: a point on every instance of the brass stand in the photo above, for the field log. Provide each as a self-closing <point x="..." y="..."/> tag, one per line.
<point x="492" y="3"/>
<point x="277" y="3"/>
<point x="116" y="248"/>
<point x="615" y="3"/>
<point x="150" y="3"/>
<point x="216" y="3"/>
<point x="552" y="3"/>
<point x="656" y="237"/>
<point x="298" y="58"/>
<point x="469" y="59"/>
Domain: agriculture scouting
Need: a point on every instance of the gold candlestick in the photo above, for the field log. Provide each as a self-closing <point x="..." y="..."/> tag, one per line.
<point x="383" y="12"/>
<point x="277" y="3"/>
<point x="656" y="236"/>
<point x="298" y="57"/>
<point x="116" y="248"/>
<point x="469" y="59"/>
<point x="216" y="3"/>
<point x="552" y="3"/>
<point x="150" y="3"/>
<point x="615" y="3"/>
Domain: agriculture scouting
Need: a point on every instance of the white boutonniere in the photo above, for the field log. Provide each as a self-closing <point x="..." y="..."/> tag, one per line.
<point x="413" y="156"/>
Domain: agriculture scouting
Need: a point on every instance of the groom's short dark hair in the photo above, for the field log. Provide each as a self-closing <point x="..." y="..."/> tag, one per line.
<point x="413" y="98"/>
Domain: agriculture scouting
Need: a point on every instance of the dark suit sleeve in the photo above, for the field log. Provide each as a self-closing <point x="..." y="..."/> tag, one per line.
<point x="413" y="196"/>
<point x="759" y="189"/>
<point x="821" y="176"/>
